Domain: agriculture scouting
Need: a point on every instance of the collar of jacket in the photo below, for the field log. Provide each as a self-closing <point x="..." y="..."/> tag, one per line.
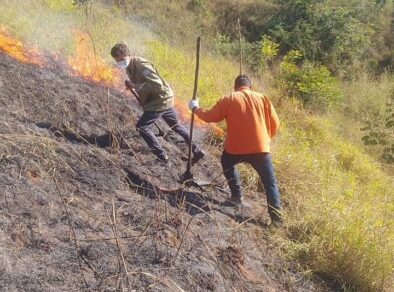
<point x="130" y="68"/>
<point x="242" y="88"/>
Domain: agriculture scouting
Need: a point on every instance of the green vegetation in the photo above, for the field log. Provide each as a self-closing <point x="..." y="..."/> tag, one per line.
<point x="340" y="221"/>
<point x="343" y="35"/>
<point x="339" y="200"/>
<point x="313" y="84"/>
<point x="369" y="113"/>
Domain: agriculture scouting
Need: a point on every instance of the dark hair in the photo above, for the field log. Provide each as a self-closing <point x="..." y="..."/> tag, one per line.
<point x="242" y="80"/>
<point x="119" y="50"/>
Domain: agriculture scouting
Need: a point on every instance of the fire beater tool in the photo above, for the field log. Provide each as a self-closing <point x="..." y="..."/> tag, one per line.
<point x="239" y="39"/>
<point x="187" y="177"/>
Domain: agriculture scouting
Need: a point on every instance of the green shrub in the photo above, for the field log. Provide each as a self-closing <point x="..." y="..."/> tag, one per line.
<point x="61" y="5"/>
<point x="269" y="49"/>
<point x="312" y="83"/>
<point x="251" y="52"/>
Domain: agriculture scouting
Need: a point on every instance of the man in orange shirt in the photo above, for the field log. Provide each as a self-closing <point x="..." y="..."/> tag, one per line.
<point x="251" y="123"/>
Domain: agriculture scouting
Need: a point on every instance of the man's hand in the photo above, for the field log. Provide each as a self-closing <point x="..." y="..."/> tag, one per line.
<point x="129" y="85"/>
<point x="193" y="104"/>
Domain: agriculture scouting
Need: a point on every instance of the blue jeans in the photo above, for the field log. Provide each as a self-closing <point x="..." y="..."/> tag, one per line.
<point x="171" y="118"/>
<point x="262" y="163"/>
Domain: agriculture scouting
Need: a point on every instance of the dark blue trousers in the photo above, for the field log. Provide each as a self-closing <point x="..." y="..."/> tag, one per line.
<point x="262" y="163"/>
<point x="171" y="118"/>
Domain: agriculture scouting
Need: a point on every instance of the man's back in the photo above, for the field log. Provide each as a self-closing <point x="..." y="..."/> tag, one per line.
<point x="154" y="92"/>
<point x="251" y="121"/>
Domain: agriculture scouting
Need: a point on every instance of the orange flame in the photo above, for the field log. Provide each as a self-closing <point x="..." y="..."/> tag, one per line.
<point x="86" y="63"/>
<point x="17" y="50"/>
<point x="185" y="115"/>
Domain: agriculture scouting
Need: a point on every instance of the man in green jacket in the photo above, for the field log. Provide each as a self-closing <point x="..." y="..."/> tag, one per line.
<point x="156" y="98"/>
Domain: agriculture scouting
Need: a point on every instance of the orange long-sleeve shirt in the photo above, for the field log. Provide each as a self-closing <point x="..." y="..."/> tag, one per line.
<point x="251" y="121"/>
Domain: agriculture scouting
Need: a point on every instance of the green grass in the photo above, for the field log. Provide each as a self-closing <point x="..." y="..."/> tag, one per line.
<point x="338" y="202"/>
<point x="178" y="67"/>
<point x="367" y="100"/>
<point x="340" y="212"/>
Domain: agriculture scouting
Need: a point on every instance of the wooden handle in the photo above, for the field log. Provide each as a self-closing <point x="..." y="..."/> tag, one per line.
<point x="197" y="68"/>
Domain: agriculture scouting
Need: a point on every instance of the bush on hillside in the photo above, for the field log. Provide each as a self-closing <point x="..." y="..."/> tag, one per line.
<point x="310" y="82"/>
<point x="339" y="36"/>
<point x="269" y="50"/>
<point x="251" y="52"/>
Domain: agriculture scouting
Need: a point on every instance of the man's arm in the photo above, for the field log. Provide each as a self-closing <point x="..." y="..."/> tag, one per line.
<point x="214" y="115"/>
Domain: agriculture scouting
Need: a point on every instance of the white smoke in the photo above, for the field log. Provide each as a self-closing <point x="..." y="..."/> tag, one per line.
<point x="50" y="26"/>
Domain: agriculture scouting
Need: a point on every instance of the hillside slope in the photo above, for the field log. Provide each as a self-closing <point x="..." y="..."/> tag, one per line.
<point x="71" y="162"/>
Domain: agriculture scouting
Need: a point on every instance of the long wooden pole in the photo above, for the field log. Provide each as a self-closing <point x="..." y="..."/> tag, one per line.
<point x="188" y="174"/>
<point x="239" y="39"/>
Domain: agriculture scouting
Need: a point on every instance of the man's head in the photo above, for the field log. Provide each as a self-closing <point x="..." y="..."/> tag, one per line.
<point x="242" y="80"/>
<point x="121" y="53"/>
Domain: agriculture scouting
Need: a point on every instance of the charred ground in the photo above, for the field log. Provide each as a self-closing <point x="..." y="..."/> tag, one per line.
<point x="83" y="200"/>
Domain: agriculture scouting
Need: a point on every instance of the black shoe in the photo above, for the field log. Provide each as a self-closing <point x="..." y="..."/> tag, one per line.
<point x="276" y="223"/>
<point x="237" y="201"/>
<point x="163" y="160"/>
<point x="197" y="157"/>
<point x="276" y="218"/>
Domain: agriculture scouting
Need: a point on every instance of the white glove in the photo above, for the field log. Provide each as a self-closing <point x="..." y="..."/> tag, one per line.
<point x="193" y="104"/>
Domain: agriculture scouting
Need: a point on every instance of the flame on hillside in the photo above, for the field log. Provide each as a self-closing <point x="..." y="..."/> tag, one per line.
<point x="185" y="115"/>
<point x="18" y="50"/>
<point x="86" y="63"/>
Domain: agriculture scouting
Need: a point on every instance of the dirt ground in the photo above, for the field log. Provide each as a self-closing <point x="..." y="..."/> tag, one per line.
<point x="85" y="207"/>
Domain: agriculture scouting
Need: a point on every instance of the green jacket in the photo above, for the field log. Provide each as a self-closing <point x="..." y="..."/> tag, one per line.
<point x="154" y="92"/>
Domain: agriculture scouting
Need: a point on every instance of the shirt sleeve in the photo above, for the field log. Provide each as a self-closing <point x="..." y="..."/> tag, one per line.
<point x="216" y="114"/>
